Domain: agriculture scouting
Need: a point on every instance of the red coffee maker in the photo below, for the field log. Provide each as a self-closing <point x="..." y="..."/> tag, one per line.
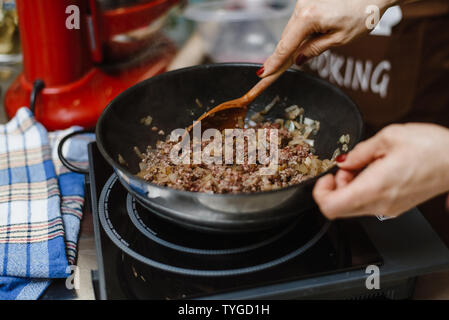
<point x="70" y="74"/>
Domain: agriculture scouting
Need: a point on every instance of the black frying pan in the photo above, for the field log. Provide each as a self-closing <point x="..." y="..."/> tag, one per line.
<point x="170" y="98"/>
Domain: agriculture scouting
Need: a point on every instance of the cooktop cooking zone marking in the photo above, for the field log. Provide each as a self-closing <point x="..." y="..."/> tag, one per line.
<point x="117" y="238"/>
<point x="151" y="234"/>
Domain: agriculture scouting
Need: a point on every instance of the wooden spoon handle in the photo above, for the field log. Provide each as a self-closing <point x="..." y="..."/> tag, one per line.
<point x="249" y="97"/>
<point x="264" y="83"/>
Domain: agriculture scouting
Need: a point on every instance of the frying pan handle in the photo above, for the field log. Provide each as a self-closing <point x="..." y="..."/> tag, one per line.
<point x="61" y="157"/>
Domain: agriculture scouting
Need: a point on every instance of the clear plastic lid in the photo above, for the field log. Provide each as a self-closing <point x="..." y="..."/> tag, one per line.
<point x="239" y="10"/>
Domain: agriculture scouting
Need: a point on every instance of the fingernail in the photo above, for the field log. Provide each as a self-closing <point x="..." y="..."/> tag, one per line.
<point x="341" y="157"/>
<point x="300" y="59"/>
<point x="260" y="71"/>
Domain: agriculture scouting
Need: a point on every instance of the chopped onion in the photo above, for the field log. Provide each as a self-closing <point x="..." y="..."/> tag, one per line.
<point x="336" y="154"/>
<point x="310" y="142"/>
<point x="280" y="121"/>
<point x="137" y="151"/>
<point x="289" y="125"/>
<point x="121" y="160"/>
<point x="146" y="120"/>
<point x="308" y="161"/>
<point x="142" y="166"/>
<point x="307" y="132"/>
<point x="257" y="117"/>
<point x="252" y="123"/>
<point x="269" y="106"/>
<point x="309" y="122"/>
<point x="172" y="177"/>
<point x="296" y="141"/>
<point x="303" y="169"/>
<point x="298" y="125"/>
<point x="344" y="139"/>
<point x="316" y="127"/>
<point x="293" y="112"/>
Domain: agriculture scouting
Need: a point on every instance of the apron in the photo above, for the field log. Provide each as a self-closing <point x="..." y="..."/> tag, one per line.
<point x="399" y="73"/>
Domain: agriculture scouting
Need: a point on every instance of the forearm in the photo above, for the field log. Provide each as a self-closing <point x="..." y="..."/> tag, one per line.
<point x="445" y="163"/>
<point x="434" y="146"/>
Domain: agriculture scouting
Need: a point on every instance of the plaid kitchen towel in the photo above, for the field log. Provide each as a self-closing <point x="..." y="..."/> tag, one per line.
<point x="33" y="215"/>
<point x="71" y="184"/>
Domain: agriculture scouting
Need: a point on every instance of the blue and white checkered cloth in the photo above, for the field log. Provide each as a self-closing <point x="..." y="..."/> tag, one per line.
<point x="40" y="206"/>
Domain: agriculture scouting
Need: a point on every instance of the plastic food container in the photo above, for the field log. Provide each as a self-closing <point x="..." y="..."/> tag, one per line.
<point x="240" y="30"/>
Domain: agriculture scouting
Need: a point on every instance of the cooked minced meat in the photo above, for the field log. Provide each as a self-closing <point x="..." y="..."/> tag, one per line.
<point x="296" y="163"/>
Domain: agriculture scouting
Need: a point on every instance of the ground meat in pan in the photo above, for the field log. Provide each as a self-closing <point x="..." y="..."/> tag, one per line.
<point x="296" y="164"/>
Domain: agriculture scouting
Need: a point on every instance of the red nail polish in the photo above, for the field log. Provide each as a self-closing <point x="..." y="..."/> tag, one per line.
<point x="260" y="71"/>
<point x="300" y="59"/>
<point x="341" y="157"/>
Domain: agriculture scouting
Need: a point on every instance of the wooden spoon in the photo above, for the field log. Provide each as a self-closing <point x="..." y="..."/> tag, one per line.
<point x="226" y="115"/>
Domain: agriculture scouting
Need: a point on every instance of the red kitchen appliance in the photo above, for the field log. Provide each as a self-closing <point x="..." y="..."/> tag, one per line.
<point x="70" y="74"/>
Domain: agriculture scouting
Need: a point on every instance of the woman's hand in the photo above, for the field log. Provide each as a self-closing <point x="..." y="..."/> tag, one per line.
<point x="317" y="25"/>
<point x="400" y="167"/>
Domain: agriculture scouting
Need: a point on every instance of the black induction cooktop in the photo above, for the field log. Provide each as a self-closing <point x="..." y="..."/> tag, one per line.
<point x="142" y="256"/>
